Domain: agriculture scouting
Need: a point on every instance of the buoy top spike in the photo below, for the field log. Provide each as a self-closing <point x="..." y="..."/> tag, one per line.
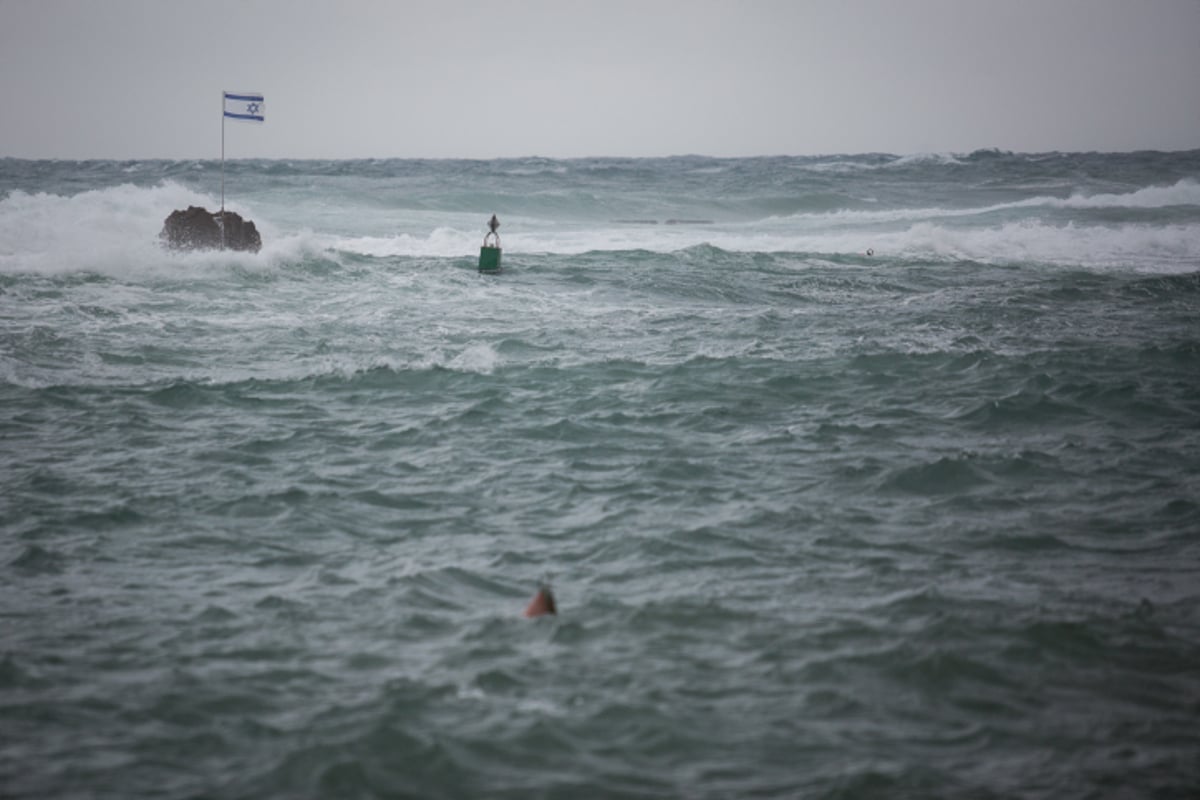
<point x="491" y="239"/>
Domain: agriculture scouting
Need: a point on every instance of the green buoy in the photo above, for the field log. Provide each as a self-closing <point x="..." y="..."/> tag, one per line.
<point x="489" y="254"/>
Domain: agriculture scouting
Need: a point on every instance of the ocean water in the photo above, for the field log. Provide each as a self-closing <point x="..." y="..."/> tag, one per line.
<point x="855" y="477"/>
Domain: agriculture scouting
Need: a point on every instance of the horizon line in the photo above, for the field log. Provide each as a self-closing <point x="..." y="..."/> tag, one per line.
<point x="534" y="156"/>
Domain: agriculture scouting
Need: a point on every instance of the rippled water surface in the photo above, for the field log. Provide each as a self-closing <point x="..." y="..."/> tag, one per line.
<point x="918" y="523"/>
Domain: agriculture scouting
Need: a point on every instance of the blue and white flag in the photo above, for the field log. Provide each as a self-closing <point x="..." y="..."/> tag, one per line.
<point x="244" y="106"/>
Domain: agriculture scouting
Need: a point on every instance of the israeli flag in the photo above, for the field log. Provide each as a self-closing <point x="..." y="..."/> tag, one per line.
<point x="244" y="106"/>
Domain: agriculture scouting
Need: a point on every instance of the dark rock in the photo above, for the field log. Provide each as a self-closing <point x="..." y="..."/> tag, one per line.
<point x="200" y="229"/>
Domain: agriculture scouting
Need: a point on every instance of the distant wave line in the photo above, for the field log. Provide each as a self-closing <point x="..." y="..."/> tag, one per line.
<point x="1185" y="192"/>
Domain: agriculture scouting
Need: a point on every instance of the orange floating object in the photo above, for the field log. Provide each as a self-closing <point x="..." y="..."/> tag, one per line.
<point x="541" y="604"/>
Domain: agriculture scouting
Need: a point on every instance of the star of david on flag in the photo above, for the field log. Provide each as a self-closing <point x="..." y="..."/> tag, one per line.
<point x="245" y="106"/>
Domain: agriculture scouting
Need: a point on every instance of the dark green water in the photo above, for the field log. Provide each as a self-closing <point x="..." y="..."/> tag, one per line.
<point x="923" y="523"/>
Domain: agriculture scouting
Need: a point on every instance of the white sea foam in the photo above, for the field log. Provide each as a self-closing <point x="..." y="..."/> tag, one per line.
<point x="1136" y="246"/>
<point x="109" y="231"/>
<point x="850" y="164"/>
<point x="103" y="229"/>
<point x="115" y="231"/>
<point x="1185" y="192"/>
<point x="478" y="357"/>
<point x="441" y="242"/>
<point x="1173" y="248"/>
<point x="925" y="158"/>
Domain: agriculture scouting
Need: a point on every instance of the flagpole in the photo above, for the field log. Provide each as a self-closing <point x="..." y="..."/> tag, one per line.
<point x="222" y="170"/>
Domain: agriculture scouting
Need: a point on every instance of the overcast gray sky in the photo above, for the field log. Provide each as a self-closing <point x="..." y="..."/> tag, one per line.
<point x="562" y="78"/>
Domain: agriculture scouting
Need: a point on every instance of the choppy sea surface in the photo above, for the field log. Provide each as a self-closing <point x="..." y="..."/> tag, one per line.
<point x="854" y="476"/>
